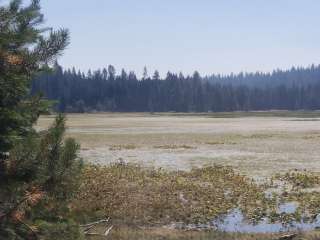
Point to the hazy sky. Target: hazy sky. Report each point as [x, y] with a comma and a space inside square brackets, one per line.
[185, 35]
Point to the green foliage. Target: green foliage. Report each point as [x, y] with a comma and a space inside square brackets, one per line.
[41, 177]
[25, 49]
[58, 171]
[39, 172]
[61, 230]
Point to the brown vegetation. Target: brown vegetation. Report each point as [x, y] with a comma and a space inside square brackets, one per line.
[132, 195]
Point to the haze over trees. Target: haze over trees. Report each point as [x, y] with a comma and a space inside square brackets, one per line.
[105, 90]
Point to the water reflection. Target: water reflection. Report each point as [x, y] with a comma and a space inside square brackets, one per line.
[236, 222]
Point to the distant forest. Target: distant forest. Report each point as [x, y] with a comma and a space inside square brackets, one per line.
[104, 90]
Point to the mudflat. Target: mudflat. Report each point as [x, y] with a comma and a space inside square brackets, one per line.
[258, 144]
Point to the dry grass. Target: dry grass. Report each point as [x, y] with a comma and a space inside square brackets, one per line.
[122, 147]
[256, 144]
[174, 147]
[221, 143]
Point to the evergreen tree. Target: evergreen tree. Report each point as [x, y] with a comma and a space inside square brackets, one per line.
[145, 73]
[18, 63]
[38, 171]
[285, 90]
[156, 75]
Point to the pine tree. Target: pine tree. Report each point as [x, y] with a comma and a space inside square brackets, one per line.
[18, 63]
[38, 171]
[145, 73]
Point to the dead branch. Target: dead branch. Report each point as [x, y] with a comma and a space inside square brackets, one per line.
[98, 234]
[95, 223]
[87, 229]
[95, 234]
[89, 226]
[108, 231]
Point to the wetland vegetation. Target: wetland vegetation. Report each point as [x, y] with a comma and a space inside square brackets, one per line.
[154, 203]
[211, 174]
[189, 171]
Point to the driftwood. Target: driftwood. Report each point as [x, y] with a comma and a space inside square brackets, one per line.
[108, 231]
[95, 223]
[288, 236]
[87, 227]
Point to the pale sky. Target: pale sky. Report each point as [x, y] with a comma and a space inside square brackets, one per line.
[210, 36]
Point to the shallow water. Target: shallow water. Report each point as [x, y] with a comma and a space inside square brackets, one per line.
[288, 208]
[236, 222]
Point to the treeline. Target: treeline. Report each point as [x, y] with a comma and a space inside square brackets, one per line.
[104, 90]
[294, 76]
